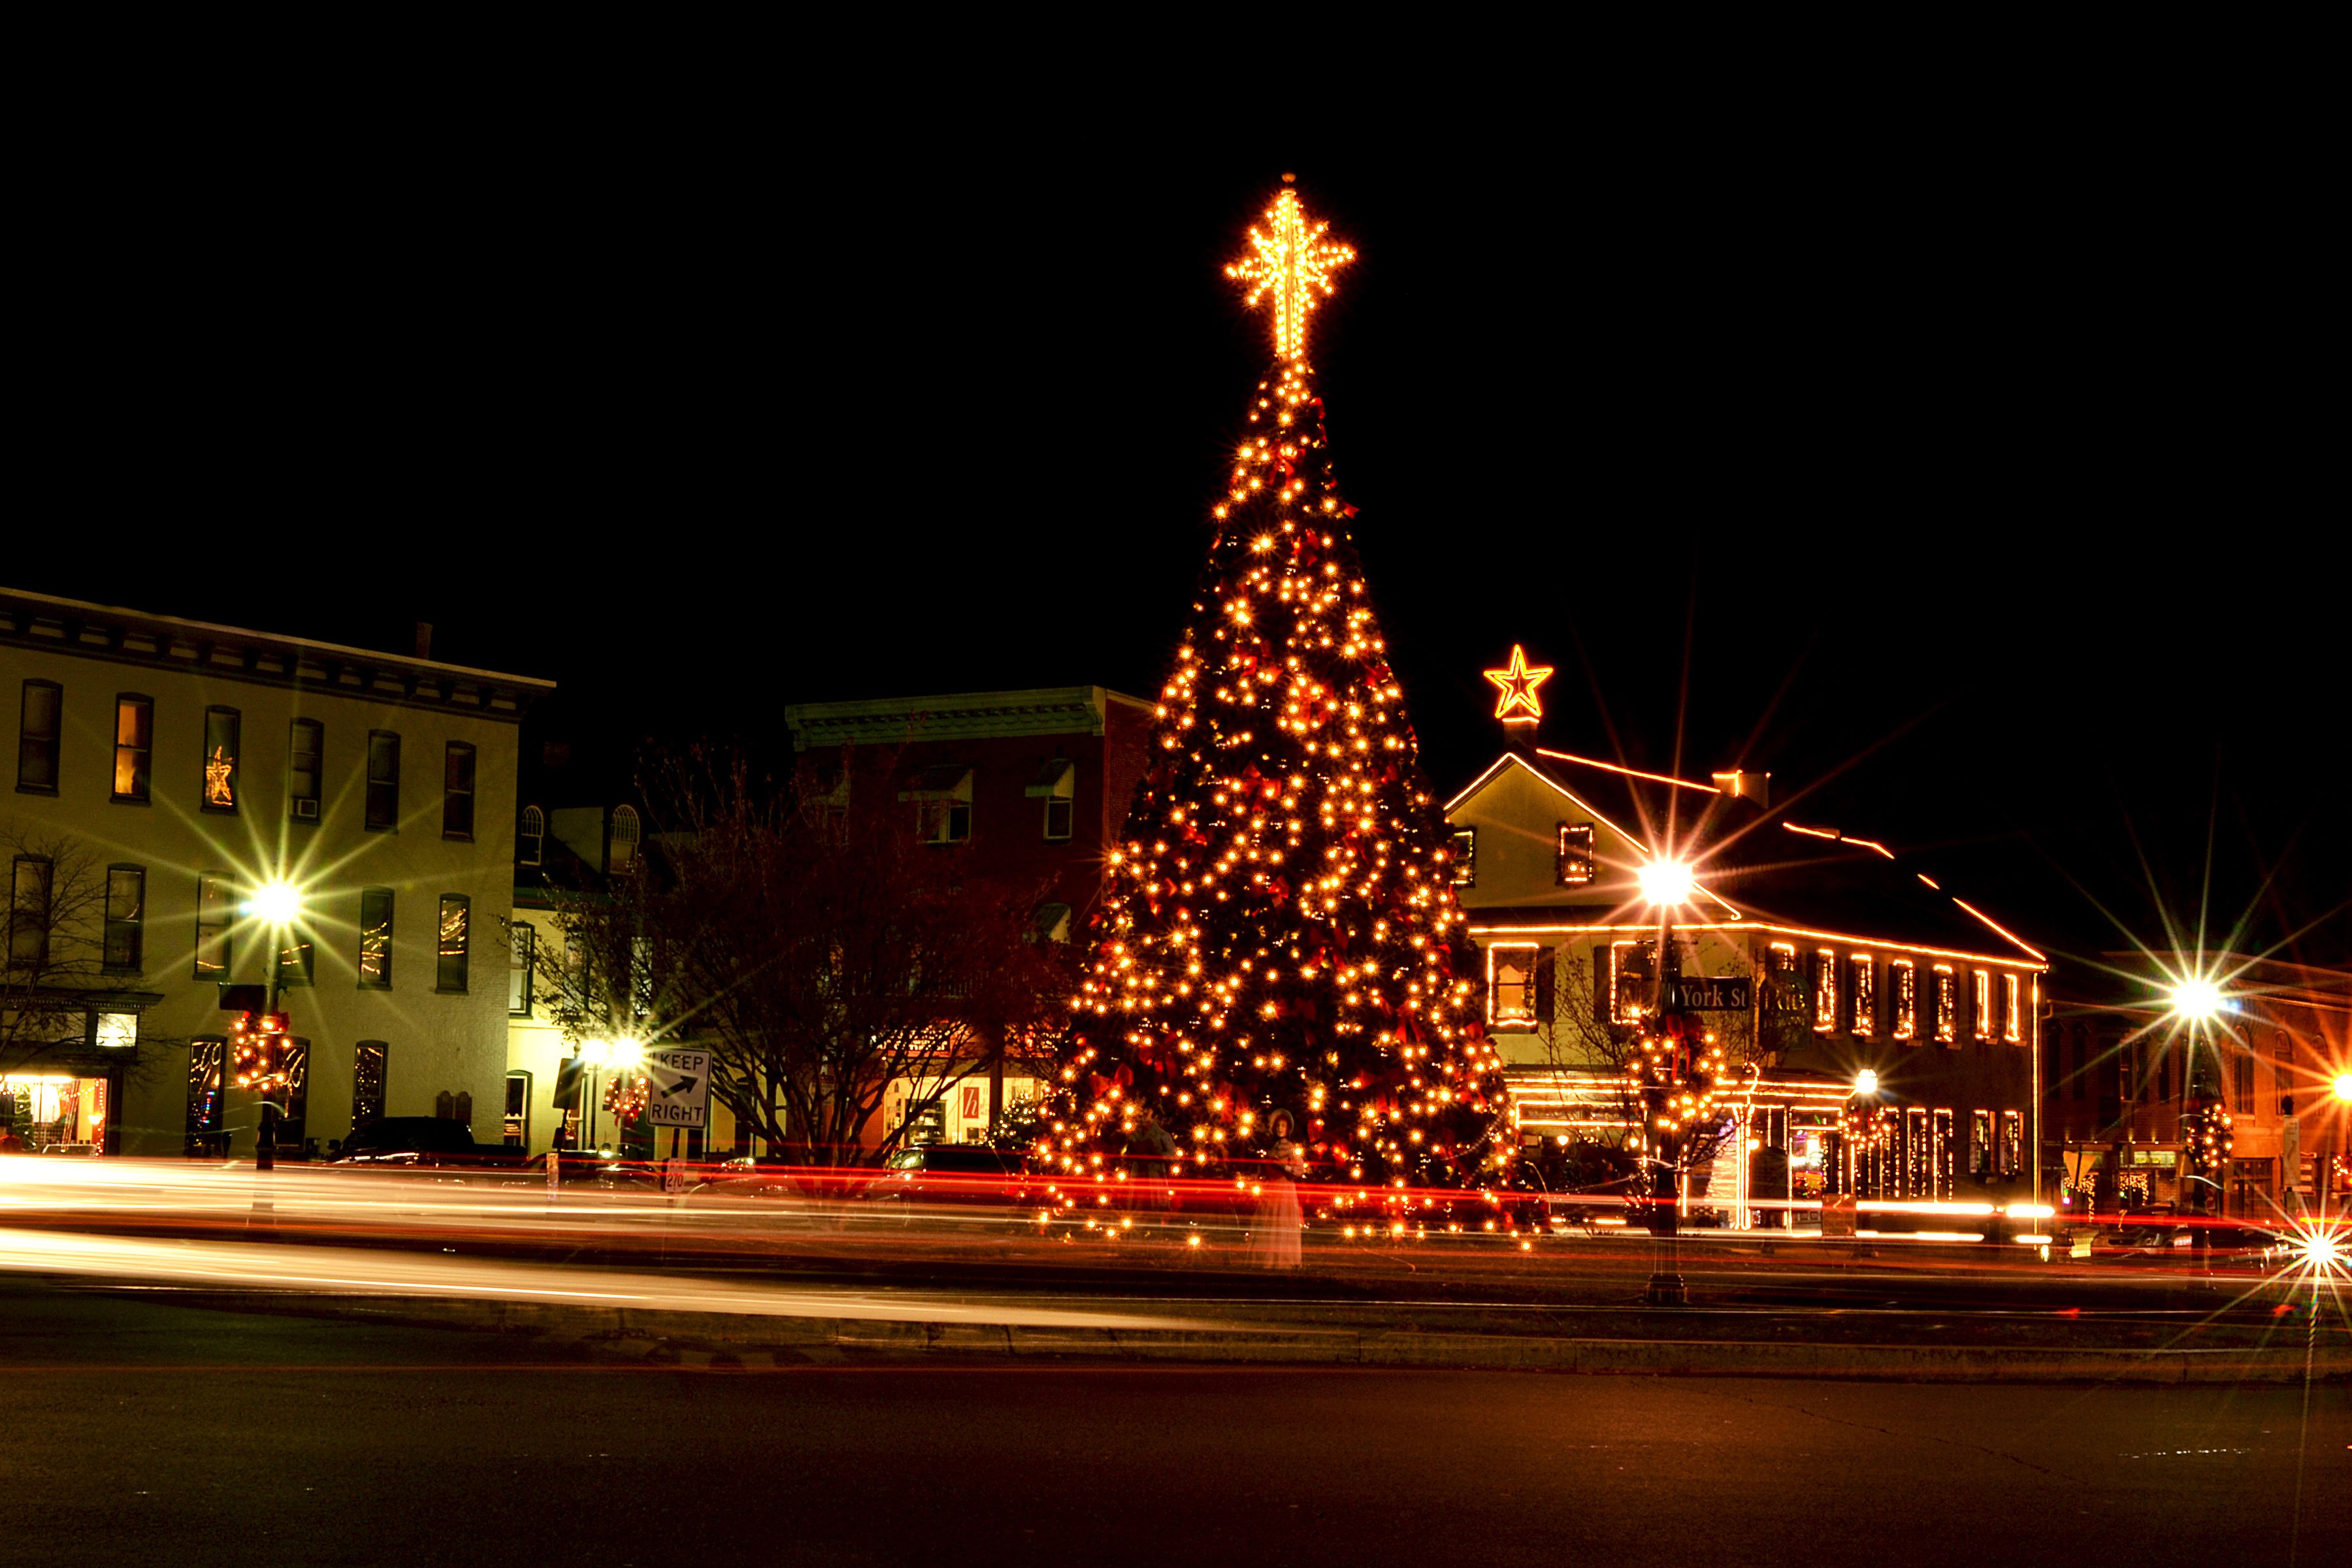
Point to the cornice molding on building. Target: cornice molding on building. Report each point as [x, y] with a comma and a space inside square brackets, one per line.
[142, 640]
[890, 721]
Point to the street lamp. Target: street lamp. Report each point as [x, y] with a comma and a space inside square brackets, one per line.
[1866, 1083]
[1664, 884]
[2343, 1086]
[279, 905]
[2198, 1000]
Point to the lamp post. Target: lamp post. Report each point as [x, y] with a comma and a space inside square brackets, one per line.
[279, 905]
[2198, 1003]
[1664, 884]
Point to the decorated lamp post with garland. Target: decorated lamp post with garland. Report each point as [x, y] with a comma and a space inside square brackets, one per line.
[2206, 1142]
[1279, 965]
[1677, 1073]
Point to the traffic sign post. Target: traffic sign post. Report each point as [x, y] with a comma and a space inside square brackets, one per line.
[680, 1082]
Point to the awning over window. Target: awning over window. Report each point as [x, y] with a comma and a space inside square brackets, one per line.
[949, 781]
[1058, 780]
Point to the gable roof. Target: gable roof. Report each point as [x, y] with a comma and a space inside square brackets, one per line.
[1754, 870]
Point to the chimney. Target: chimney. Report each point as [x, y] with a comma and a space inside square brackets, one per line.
[1740, 785]
[425, 640]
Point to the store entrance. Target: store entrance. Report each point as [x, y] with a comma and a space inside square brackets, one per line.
[55, 1114]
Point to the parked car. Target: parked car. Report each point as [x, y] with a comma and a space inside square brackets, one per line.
[2175, 1243]
[964, 1177]
[437, 1143]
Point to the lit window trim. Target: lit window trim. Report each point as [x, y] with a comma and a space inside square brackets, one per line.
[1580, 859]
[1617, 1013]
[1947, 1023]
[1825, 991]
[1980, 1003]
[1903, 999]
[2010, 1030]
[1465, 845]
[1496, 1016]
[1864, 981]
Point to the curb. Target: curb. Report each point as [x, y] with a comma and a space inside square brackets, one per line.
[696, 1337]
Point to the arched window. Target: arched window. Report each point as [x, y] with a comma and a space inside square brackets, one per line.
[530, 839]
[623, 853]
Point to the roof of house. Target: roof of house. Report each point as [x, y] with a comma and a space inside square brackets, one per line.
[1752, 866]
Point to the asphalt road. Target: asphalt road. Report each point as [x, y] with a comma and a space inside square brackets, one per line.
[136, 1430]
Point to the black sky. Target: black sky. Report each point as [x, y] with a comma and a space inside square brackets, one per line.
[1989, 487]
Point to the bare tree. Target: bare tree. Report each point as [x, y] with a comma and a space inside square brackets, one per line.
[56, 940]
[815, 944]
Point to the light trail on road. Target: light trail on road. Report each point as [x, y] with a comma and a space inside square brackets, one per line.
[347, 1271]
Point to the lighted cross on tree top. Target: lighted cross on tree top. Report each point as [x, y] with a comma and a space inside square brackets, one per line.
[1292, 262]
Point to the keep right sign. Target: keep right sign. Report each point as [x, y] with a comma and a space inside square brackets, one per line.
[680, 1081]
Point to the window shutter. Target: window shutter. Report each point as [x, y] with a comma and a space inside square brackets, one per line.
[1544, 987]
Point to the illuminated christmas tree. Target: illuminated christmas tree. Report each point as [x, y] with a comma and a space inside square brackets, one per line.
[1279, 956]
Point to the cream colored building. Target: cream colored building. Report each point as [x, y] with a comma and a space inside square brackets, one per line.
[166, 769]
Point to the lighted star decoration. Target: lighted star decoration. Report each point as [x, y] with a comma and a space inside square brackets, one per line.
[1518, 681]
[1292, 262]
[220, 770]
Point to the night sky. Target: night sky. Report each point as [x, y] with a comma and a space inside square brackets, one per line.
[1979, 490]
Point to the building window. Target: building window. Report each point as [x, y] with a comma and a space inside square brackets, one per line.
[294, 1061]
[216, 909]
[1981, 1003]
[134, 740]
[518, 1116]
[943, 797]
[1621, 1008]
[114, 1031]
[1058, 785]
[384, 780]
[1466, 856]
[2013, 1027]
[531, 837]
[369, 1062]
[1825, 991]
[1947, 1005]
[29, 886]
[1979, 1144]
[306, 745]
[375, 939]
[1575, 854]
[1053, 922]
[1511, 970]
[1865, 995]
[37, 737]
[450, 943]
[625, 829]
[221, 730]
[518, 963]
[295, 957]
[2241, 1082]
[126, 916]
[457, 792]
[1903, 993]
[207, 1110]
[2013, 1142]
[2283, 1074]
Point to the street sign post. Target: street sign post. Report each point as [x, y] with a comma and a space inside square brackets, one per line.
[680, 1081]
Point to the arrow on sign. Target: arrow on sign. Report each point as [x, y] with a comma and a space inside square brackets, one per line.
[683, 1085]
